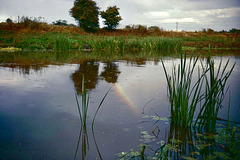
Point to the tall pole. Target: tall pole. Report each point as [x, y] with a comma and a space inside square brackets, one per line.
[176, 26]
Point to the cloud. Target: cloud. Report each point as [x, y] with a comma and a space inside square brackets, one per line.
[51, 10]
[191, 14]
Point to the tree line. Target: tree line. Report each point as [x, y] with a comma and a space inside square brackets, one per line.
[86, 13]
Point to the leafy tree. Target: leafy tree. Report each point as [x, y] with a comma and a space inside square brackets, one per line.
[234, 30]
[111, 16]
[9, 20]
[86, 14]
[61, 22]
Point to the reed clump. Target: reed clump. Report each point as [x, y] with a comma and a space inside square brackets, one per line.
[111, 43]
[185, 96]
[215, 91]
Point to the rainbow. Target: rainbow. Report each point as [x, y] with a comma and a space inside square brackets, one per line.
[125, 97]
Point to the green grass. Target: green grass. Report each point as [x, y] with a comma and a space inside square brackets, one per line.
[120, 43]
[66, 42]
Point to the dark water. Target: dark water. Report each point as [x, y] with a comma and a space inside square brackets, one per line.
[39, 117]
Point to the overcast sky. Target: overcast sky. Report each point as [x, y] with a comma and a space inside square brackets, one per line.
[190, 14]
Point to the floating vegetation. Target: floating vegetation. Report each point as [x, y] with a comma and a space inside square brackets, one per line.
[189, 145]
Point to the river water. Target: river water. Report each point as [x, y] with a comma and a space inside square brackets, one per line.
[39, 116]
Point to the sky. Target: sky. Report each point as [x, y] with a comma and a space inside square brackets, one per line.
[191, 15]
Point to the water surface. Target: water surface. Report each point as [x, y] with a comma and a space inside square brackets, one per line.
[39, 117]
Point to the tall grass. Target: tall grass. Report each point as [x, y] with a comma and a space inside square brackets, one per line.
[215, 92]
[63, 44]
[183, 97]
[118, 43]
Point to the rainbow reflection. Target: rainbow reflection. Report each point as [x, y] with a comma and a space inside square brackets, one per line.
[125, 97]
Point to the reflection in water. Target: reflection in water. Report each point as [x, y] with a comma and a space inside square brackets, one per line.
[111, 72]
[28, 125]
[85, 144]
[189, 144]
[83, 110]
[25, 69]
[90, 71]
[137, 62]
[180, 142]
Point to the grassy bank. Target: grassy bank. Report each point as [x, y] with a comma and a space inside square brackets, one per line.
[65, 42]
[62, 38]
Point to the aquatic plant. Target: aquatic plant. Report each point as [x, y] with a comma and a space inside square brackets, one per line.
[100, 104]
[215, 92]
[183, 97]
[83, 111]
[113, 43]
[188, 144]
[62, 44]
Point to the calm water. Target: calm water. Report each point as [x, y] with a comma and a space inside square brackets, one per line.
[39, 117]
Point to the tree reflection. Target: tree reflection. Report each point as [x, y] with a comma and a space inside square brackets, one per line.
[138, 62]
[90, 71]
[111, 72]
[26, 69]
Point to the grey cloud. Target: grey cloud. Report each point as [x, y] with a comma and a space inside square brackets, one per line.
[198, 13]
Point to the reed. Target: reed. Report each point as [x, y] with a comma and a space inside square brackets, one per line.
[183, 97]
[83, 111]
[118, 43]
[215, 92]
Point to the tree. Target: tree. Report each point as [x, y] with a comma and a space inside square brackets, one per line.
[111, 16]
[9, 21]
[86, 14]
[60, 22]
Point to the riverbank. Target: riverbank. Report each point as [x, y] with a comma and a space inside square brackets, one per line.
[42, 36]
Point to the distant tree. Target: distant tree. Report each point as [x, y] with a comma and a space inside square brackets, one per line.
[154, 28]
[73, 25]
[9, 20]
[209, 30]
[111, 16]
[234, 30]
[86, 14]
[60, 22]
[128, 27]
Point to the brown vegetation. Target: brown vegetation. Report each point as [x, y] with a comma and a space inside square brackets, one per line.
[199, 40]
